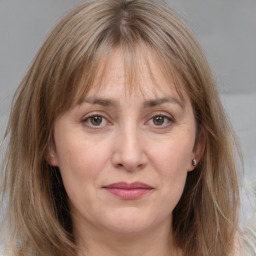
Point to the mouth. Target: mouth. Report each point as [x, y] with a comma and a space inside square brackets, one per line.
[128, 191]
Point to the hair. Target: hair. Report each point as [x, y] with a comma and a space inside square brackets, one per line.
[205, 219]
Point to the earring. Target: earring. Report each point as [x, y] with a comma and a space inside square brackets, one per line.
[194, 162]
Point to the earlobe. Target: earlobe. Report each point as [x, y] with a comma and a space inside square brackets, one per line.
[194, 162]
[51, 157]
[198, 149]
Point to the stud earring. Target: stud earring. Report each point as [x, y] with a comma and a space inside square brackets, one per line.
[194, 162]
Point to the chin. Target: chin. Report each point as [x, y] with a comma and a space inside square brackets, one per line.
[127, 228]
[129, 221]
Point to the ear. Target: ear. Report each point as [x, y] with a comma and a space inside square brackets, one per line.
[198, 149]
[51, 157]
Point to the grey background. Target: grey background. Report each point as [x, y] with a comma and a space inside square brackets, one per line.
[226, 30]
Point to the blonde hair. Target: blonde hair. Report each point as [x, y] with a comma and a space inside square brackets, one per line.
[205, 219]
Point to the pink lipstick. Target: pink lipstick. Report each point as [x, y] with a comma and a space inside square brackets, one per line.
[128, 191]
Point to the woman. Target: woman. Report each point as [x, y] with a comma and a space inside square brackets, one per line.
[119, 144]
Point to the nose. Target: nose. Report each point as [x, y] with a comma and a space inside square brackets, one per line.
[129, 152]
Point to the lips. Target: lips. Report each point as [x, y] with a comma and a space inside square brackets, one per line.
[128, 191]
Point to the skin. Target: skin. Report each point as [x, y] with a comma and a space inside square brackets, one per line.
[126, 137]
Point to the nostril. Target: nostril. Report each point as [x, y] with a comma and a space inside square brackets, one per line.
[130, 167]
[141, 166]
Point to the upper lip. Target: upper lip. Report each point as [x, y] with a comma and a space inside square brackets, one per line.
[126, 185]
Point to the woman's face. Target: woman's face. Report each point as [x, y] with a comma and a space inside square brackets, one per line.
[124, 156]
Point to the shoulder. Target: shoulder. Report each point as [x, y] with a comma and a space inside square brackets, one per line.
[250, 237]
[238, 245]
[249, 234]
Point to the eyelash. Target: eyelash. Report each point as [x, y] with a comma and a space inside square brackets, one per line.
[87, 120]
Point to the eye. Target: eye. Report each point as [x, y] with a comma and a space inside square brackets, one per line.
[95, 121]
[160, 121]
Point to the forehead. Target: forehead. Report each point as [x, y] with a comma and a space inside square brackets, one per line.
[141, 72]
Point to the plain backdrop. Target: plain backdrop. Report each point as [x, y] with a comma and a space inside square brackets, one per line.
[226, 30]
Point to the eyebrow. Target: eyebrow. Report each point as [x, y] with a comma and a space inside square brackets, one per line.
[102, 102]
[147, 104]
[160, 101]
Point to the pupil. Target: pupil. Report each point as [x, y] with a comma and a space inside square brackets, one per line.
[96, 120]
[159, 120]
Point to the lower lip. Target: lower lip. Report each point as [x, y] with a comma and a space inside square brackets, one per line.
[128, 194]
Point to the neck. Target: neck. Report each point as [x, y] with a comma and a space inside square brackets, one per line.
[93, 242]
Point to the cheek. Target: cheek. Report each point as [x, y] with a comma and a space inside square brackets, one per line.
[171, 160]
[173, 156]
[79, 156]
[80, 164]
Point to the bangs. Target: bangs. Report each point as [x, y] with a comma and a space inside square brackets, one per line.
[133, 57]
[87, 44]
